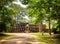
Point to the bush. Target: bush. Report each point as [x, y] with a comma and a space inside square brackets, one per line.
[54, 30]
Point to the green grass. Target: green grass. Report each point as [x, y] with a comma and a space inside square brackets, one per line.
[46, 38]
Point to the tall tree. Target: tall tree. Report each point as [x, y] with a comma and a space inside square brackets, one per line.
[7, 14]
[44, 9]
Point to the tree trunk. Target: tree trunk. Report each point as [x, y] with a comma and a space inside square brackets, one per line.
[40, 27]
[49, 27]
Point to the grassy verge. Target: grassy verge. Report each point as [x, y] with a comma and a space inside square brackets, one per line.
[47, 38]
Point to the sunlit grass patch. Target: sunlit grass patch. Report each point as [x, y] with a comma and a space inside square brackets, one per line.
[47, 38]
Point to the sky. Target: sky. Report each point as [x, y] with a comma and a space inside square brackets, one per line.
[19, 3]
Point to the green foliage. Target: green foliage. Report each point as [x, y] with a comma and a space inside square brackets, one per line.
[51, 7]
[5, 2]
[7, 14]
[24, 1]
[56, 27]
[44, 9]
[16, 8]
[1, 27]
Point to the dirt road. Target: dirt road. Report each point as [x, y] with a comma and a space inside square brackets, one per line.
[21, 38]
